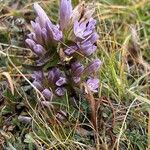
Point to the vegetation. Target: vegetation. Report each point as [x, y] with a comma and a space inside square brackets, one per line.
[116, 118]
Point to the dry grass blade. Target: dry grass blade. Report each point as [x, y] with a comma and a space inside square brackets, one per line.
[135, 50]
[10, 81]
[149, 131]
[94, 105]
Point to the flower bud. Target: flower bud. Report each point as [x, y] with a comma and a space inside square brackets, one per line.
[89, 51]
[93, 67]
[77, 69]
[65, 13]
[38, 76]
[51, 76]
[38, 85]
[47, 94]
[87, 48]
[61, 81]
[93, 84]
[43, 18]
[54, 32]
[45, 36]
[38, 49]
[30, 43]
[38, 32]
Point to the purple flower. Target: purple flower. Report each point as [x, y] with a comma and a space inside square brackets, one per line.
[56, 78]
[47, 94]
[93, 67]
[79, 29]
[30, 43]
[38, 85]
[54, 32]
[70, 50]
[61, 81]
[60, 91]
[38, 32]
[38, 76]
[65, 13]
[53, 75]
[86, 36]
[93, 84]
[87, 48]
[84, 29]
[38, 49]
[42, 16]
[76, 71]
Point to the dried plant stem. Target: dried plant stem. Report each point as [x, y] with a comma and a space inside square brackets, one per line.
[93, 106]
[149, 131]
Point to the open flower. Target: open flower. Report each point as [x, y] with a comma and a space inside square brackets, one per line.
[84, 29]
[57, 81]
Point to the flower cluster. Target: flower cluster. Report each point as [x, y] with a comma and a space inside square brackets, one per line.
[62, 50]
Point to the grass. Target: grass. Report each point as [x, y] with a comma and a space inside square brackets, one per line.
[122, 110]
